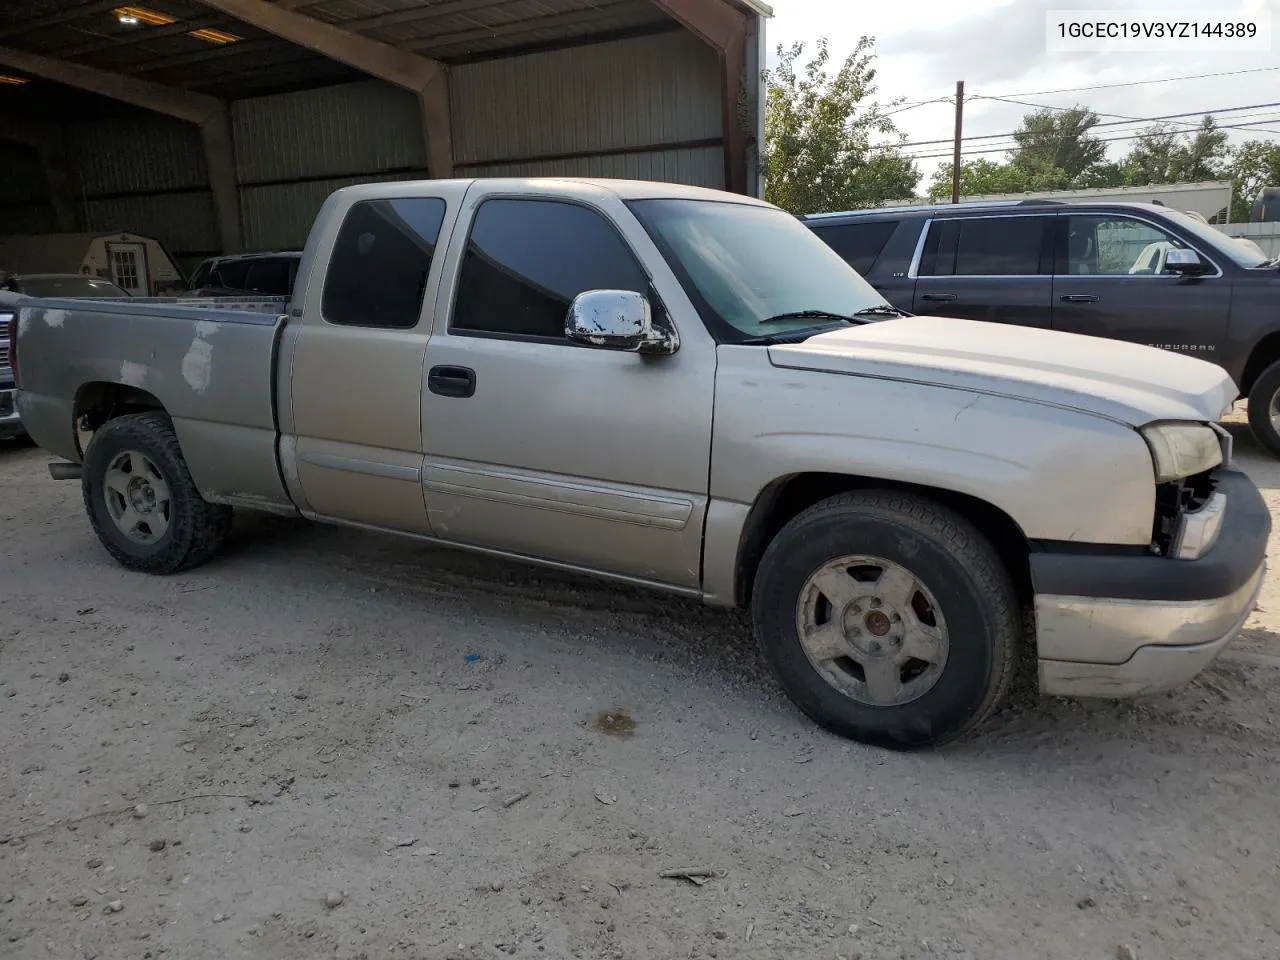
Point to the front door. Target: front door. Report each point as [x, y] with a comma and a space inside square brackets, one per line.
[1110, 281]
[353, 434]
[994, 268]
[129, 268]
[539, 447]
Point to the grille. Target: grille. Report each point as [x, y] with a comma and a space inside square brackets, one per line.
[4, 353]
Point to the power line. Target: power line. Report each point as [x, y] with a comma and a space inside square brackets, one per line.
[1114, 123]
[1135, 83]
[911, 106]
[1120, 117]
[1007, 148]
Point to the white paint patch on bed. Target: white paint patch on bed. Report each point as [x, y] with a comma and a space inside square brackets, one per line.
[133, 374]
[55, 318]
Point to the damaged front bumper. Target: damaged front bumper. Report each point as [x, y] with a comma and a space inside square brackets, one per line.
[1112, 625]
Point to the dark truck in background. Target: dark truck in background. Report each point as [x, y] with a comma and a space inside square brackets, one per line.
[1127, 271]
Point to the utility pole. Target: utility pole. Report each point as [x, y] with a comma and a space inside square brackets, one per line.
[955, 157]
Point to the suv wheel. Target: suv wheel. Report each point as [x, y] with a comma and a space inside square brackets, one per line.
[1264, 409]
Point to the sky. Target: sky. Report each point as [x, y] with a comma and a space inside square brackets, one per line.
[998, 47]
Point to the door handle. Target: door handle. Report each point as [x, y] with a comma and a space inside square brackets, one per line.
[938, 296]
[452, 381]
[1079, 298]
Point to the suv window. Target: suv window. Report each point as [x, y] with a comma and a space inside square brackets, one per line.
[1115, 246]
[378, 271]
[987, 246]
[269, 275]
[859, 244]
[527, 259]
[230, 275]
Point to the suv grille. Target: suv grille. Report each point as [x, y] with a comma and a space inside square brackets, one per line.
[4, 353]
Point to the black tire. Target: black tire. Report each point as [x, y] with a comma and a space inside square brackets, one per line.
[196, 528]
[1261, 396]
[943, 552]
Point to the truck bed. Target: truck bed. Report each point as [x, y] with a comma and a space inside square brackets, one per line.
[210, 362]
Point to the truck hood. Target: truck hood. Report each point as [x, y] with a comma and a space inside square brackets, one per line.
[1126, 382]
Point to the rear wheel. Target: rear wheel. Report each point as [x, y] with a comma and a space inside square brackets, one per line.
[1264, 409]
[141, 500]
[887, 618]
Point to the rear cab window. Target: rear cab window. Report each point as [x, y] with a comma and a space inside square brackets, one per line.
[381, 261]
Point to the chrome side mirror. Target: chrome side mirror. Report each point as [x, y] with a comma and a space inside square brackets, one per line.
[1183, 261]
[617, 320]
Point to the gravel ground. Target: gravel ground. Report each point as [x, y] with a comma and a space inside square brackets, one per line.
[332, 744]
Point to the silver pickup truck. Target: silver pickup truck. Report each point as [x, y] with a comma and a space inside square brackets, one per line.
[686, 390]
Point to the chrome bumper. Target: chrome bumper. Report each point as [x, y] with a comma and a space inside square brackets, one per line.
[1091, 647]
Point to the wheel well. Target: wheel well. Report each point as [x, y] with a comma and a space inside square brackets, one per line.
[98, 402]
[784, 499]
[1265, 353]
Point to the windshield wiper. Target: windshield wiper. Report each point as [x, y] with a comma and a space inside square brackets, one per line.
[808, 315]
[883, 310]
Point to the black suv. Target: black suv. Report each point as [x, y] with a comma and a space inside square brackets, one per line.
[1128, 271]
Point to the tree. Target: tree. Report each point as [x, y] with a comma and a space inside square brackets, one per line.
[980, 177]
[1153, 157]
[818, 151]
[1204, 155]
[1058, 139]
[1253, 165]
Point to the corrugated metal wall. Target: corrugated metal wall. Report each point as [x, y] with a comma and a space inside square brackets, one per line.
[647, 107]
[294, 149]
[24, 200]
[643, 108]
[145, 174]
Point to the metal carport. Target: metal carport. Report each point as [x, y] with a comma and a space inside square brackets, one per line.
[220, 125]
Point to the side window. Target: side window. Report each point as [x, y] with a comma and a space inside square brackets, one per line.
[378, 271]
[1116, 246]
[231, 275]
[859, 244]
[527, 259]
[269, 276]
[201, 276]
[987, 246]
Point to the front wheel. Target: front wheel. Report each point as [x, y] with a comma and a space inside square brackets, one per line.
[887, 618]
[141, 499]
[1264, 409]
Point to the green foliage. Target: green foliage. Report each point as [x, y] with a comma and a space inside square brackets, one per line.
[1058, 140]
[981, 176]
[1254, 164]
[819, 129]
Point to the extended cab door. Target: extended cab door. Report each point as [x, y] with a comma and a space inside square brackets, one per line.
[539, 447]
[1111, 282]
[989, 267]
[352, 428]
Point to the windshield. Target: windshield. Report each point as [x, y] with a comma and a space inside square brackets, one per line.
[68, 287]
[752, 266]
[1244, 253]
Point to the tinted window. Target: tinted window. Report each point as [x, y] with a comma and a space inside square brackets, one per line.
[985, 246]
[378, 272]
[859, 244]
[232, 275]
[527, 259]
[269, 276]
[1116, 246]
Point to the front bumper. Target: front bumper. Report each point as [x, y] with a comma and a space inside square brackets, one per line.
[1125, 625]
[10, 421]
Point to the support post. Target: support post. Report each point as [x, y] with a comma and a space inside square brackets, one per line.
[955, 153]
[220, 159]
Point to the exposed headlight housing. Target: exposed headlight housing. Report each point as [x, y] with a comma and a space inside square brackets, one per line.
[1181, 450]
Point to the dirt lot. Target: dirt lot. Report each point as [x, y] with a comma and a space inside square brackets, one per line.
[322, 712]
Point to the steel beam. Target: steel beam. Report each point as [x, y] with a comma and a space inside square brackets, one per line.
[428, 78]
[208, 113]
